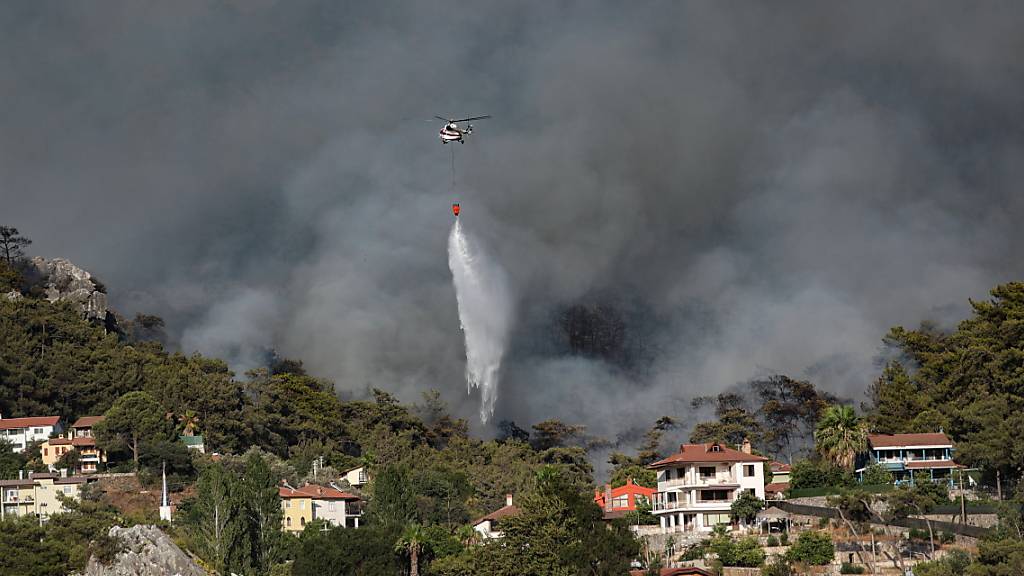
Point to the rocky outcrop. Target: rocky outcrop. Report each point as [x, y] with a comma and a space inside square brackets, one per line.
[65, 281]
[147, 552]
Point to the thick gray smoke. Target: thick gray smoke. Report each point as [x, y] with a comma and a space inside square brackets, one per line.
[684, 194]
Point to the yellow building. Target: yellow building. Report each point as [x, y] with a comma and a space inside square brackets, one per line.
[313, 502]
[78, 437]
[38, 495]
[90, 455]
[297, 506]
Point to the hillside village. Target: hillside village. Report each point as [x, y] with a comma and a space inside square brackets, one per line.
[103, 430]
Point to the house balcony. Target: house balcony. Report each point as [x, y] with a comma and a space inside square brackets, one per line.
[662, 504]
[690, 481]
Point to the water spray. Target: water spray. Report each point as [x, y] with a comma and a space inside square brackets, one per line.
[485, 314]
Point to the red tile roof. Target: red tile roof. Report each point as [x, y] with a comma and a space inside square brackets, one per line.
[904, 440]
[776, 487]
[926, 464]
[316, 492]
[87, 421]
[83, 441]
[781, 467]
[698, 453]
[627, 489]
[12, 423]
[503, 512]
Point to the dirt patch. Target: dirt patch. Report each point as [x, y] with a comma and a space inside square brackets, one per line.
[133, 499]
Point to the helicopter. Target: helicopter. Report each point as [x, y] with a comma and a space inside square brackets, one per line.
[451, 131]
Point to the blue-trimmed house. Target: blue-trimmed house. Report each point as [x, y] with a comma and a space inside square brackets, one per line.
[914, 457]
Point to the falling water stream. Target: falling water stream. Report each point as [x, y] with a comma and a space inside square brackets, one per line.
[485, 312]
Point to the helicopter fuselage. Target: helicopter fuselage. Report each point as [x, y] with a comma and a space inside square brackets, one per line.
[452, 133]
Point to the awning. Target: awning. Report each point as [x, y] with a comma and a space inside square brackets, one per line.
[773, 513]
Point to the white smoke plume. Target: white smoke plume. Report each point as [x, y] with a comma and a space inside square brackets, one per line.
[485, 313]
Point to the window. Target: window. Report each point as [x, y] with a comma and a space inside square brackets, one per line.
[288, 521]
[67, 489]
[707, 472]
[302, 521]
[302, 504]
[620, 502]
[37, 431]
[46, 452]
[716, 519]
[287, 503]
[716, 448]
[330, 506]
[748, 470]
[714, 495]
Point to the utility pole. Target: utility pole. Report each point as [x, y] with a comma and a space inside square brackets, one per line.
[963, 506]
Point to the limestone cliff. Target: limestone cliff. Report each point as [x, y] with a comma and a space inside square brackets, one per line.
[62, 280]
[147, 552]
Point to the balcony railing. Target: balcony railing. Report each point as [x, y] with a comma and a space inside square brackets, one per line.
[667, 505]
[717, 480]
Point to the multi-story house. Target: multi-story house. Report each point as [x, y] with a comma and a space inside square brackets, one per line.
[21, 432]
[313, 502]
[78, 437]
[697, 486]
[37, 494]
[914, 457]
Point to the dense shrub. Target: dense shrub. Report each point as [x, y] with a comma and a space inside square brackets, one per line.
[812, 548]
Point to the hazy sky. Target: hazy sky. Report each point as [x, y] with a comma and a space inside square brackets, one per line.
[744, 189]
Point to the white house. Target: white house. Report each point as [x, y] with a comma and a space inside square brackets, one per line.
[697, 486]
[356, 477]
[488, 526]
[21, 432]
[914, 458]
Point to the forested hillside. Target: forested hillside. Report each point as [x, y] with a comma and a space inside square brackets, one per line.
[429, 476]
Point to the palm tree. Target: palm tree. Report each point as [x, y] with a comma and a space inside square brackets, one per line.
[840, 435]
[189, 421]
[412, 543]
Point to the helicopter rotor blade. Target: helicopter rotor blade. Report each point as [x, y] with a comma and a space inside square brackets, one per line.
[473, 118]
[443, 119]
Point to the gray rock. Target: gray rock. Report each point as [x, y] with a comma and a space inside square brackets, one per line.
[65, 281]
[13, 295]
[147, 552]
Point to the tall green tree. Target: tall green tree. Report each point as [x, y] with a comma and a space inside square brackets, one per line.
[734, 421]
[895, 400]
[393, 504]
[840, 435]
[10, 461]
[262, 505]
[134, 418]
[789, 410]
[216, 519]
